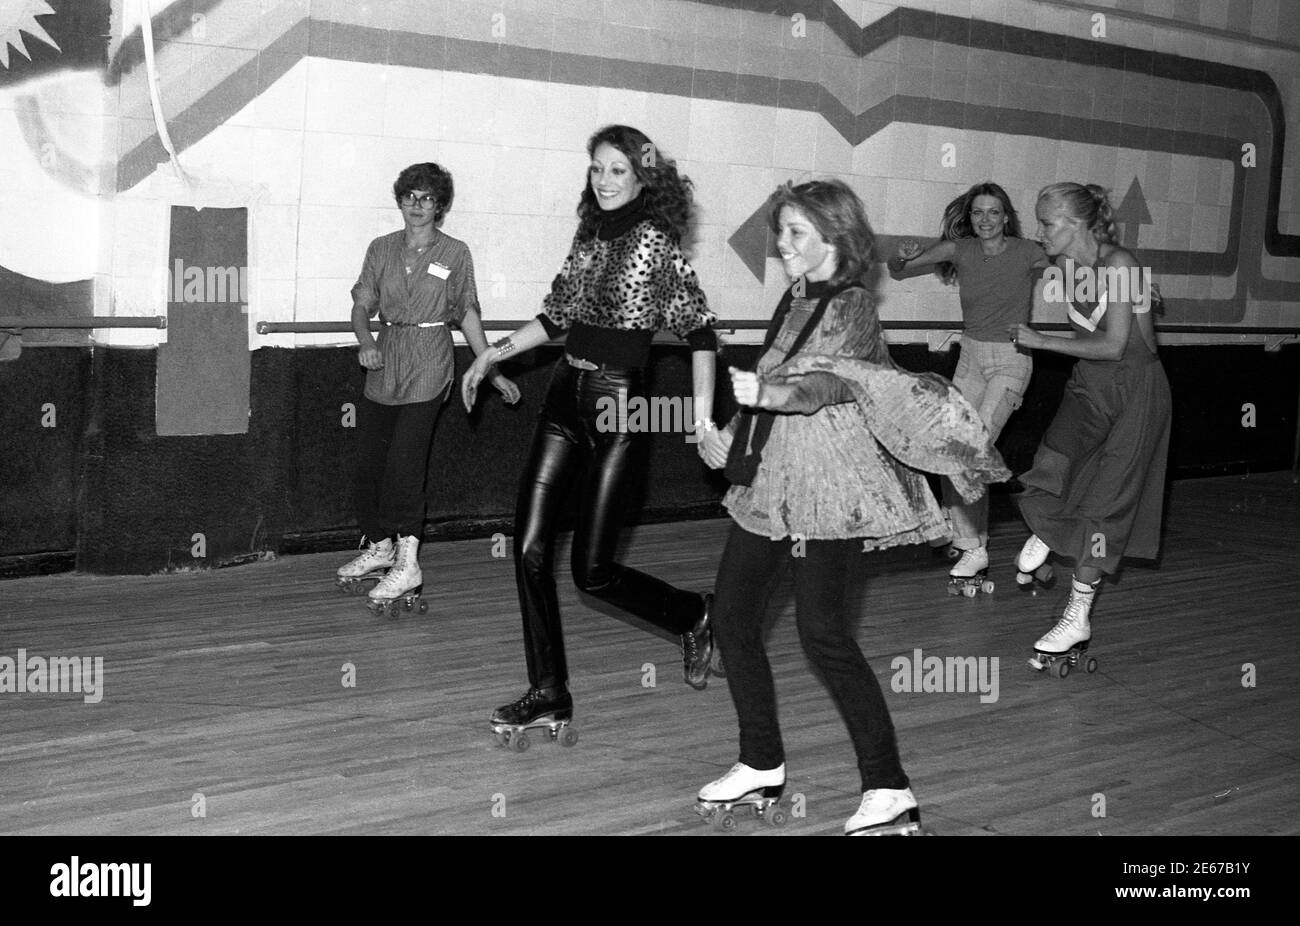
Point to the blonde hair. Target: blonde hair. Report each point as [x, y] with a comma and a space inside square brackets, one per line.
[1088, 203]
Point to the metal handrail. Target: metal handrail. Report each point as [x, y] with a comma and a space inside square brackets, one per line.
[93, 321]
[345, 327]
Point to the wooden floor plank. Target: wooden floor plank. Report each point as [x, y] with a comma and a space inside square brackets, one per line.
[229, 684]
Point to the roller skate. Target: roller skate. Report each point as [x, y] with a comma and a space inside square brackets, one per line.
[551, 708]
[743, 786]
[371, 565]
[1066, 644]
[402, 586]
[885, 812]
[1033, 572]
[970, 574]
[697, 649]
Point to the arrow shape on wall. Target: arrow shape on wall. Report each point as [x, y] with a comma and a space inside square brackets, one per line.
[1132, 214]
[750, 242]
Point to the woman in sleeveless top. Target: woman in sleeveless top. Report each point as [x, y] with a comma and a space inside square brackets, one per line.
[1096, 489]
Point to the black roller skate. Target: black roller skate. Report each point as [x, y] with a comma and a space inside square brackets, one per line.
[551, 708]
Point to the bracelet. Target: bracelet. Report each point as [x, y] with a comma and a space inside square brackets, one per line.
[704, 425]
[504, 347]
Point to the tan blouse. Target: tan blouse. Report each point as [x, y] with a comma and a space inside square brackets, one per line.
[846, 458]
[418, 307]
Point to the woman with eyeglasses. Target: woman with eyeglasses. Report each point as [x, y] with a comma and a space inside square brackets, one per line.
[624, 279]
[420, 282]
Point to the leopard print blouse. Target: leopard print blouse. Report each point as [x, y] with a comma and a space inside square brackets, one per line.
[638, 281]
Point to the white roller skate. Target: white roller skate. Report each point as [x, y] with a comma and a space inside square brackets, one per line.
[402, 586]
[970, 574]
[885, 812]
[743, 786]
[1033, 572]
[373, 562]
[1066, 644]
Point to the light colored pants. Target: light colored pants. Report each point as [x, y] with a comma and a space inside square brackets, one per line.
[992, 376]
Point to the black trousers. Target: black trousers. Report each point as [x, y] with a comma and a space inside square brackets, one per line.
[393, 465]
[579, 440]
[750, 569]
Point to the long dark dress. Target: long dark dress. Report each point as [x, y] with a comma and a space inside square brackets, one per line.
[1096, 490]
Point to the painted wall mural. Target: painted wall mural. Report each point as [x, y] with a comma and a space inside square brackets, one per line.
[304, 111]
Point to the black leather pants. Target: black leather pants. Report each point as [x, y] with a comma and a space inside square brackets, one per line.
[578, 438]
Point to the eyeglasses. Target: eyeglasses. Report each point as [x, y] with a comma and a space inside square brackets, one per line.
[428, 200]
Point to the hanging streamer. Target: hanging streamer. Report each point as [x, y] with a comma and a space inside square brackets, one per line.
[146, 33]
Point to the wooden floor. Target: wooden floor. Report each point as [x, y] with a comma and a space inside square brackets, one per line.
[229, 685]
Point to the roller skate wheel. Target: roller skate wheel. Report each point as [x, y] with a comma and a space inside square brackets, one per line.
[568, 737]
[1091, 665]
[987, 588]
[502, 737]
[1063, 669]
[775, 817]
[727, 821]
[520, 742]
[954, 591]
[969, 591]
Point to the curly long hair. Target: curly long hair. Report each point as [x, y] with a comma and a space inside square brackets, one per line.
[1088, 202]
[666, 194]
[956, 220]
[839, 217]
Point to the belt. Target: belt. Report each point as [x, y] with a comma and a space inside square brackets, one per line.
[582, 364]
[412, 324]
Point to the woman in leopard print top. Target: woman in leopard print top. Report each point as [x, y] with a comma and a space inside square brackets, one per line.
[624, 279]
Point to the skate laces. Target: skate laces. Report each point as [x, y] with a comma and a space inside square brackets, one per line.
[734, 772]
[1074, 618]
[883, 800]
[690, 647]
[531, 697]
[1033, 554]
[967, 562]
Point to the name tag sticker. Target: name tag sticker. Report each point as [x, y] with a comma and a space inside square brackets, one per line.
[439, 270]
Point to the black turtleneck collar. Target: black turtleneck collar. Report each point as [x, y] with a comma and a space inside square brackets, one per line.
[618, 222]
[822, 288]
